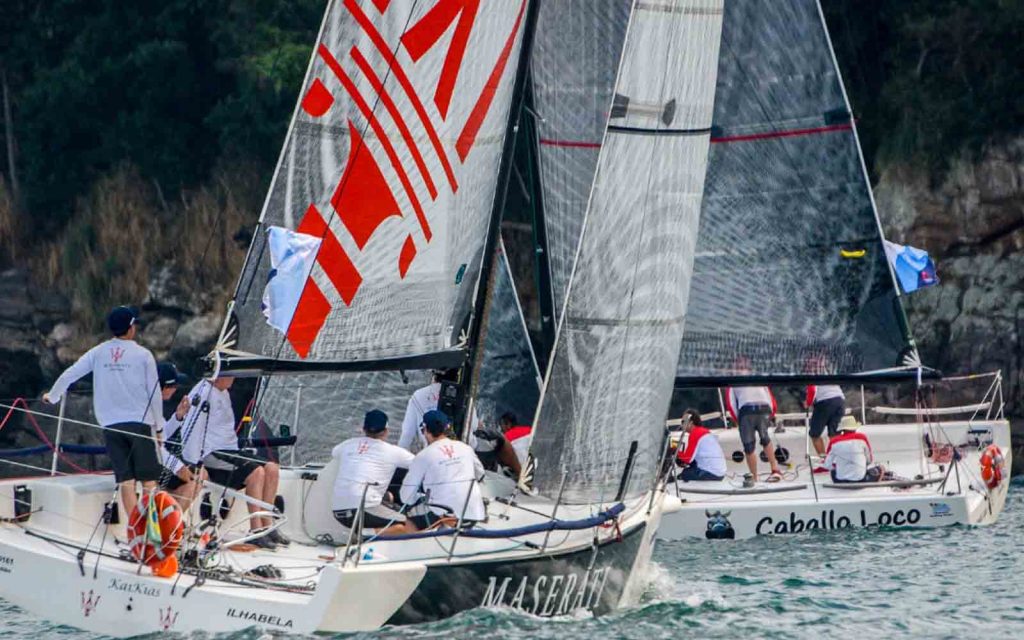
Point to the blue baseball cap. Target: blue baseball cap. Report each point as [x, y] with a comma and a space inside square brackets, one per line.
[121, 319]
[375, 421]
[436, 422]
[168, 375]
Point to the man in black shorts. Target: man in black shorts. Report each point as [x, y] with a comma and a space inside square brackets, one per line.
[126, 403]
[208, 434]
[829, 405]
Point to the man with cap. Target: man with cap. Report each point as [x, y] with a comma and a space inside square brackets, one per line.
[126, 402]
[447, 472]
[208, 436]
[366, 464]
[849, 454]
[180, 479]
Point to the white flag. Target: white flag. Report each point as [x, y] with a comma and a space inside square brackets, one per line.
[291, 260]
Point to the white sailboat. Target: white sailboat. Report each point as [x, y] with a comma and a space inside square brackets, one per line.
[396, 162]
[792, 287]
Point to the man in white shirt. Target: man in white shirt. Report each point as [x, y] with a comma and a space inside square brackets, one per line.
[367, 463]
[828, 404]
[447, 472]
[126, 402]
[752, 409]
[849, 454]
[702, 458]
[180, 479]
[208, 436]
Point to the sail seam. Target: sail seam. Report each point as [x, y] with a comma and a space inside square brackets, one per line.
[791, 133]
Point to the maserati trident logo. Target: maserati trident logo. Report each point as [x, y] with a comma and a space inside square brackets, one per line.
[116, 354]
[448, 451]
[363, 447]
[167, 618]
[89, 602]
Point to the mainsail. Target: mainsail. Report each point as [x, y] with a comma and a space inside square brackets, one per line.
[392, 160]
[790, 277]
[610, 378]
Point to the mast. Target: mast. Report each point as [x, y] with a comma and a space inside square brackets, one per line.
[469, 377]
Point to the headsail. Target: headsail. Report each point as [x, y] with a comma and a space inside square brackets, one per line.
[392, 160]
[610, 379]
[791, 277]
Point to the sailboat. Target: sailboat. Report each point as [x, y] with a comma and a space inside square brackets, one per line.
[392, 176]
[791, 286]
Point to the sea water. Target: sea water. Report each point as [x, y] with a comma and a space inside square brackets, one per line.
[867, 584]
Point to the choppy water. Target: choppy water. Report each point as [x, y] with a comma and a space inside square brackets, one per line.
[953, 583]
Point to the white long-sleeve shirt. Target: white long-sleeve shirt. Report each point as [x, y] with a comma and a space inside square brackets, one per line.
[205, 433]
[422, 401]
[448, 469]
[124, 382]
[365, 462]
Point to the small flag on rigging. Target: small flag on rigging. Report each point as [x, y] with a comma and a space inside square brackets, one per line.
[291, 259]
[913, 267]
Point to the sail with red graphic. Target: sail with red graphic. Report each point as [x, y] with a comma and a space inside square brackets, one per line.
[391, 161]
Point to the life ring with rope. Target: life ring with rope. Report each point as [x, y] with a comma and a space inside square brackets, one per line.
[156, 533]
[992, 462]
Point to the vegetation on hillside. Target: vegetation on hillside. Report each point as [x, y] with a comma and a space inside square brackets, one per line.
[140, 132]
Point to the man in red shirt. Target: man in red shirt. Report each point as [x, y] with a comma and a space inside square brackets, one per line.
[702, 458]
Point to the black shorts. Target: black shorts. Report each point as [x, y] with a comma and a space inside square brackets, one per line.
[170, 481]
[754, 419]
[827, 413]
[242, 466]
[132, 452]
[375, 517]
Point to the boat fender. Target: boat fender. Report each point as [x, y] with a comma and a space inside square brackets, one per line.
[155, 533]
[992, 462]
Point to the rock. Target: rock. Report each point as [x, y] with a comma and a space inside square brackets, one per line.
[158, 333]
[167, 291]
[199, 333]
[62, 334]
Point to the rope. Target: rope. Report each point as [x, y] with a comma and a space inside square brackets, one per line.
[42, 435]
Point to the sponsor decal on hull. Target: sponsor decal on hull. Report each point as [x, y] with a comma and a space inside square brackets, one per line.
[828, 520]
[6, 564]
[257, 617]
[553, 595]
[167, 618]
[940, 510]
[133, 588]
[89, 602]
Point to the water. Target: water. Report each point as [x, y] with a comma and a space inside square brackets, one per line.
[938, 583]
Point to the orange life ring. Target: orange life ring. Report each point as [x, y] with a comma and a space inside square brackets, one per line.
[160, 558]
[992, 462]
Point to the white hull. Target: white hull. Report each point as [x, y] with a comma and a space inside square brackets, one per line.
[947, 497]
[40, 571]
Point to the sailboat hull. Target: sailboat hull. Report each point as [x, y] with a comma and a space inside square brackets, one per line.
[590, 578]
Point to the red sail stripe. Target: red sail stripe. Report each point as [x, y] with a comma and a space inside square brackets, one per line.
[783, 134]
[577, 144]
[403, 79]
[332, 257]
[422, 36]
[483, 103]
[389, 104]
[310, 315]
[378, 130]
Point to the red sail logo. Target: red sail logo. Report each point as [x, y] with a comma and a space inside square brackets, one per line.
[363, 198]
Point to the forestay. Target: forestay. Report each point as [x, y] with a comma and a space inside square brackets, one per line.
[392, 160]
[610, 378]
[790, 275]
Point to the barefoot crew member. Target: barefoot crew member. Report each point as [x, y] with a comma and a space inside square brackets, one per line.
[126, 401]
[210, 437]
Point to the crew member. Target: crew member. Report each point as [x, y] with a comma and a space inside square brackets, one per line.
[849, 455]
[126, 403]
[366, 464]
[447, 472]
[702, 459]
[827, 404]
[181, 480]
[752, 408]
[209, 436]
[518, 435]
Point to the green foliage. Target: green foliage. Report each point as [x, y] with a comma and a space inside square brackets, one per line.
[172, 87]
[930, 78]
